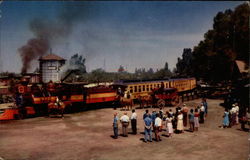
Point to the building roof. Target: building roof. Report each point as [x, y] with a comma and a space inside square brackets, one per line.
[241, 66]
[51, 57]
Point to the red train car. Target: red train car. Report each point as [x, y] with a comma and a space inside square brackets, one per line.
[77, 93]
[101, 94]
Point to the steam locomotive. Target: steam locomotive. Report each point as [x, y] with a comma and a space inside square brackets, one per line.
[33, 99]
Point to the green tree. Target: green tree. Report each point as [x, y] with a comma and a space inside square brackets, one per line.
[184, 64]
[213, 58]
[77, 62]
[97, 75]
[163, 73]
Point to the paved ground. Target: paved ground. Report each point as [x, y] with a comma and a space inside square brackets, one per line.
[87, 135]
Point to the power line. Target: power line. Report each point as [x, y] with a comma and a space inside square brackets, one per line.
[1, 62]
[104, 64]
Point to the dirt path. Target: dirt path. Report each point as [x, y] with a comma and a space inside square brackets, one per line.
[87, 135]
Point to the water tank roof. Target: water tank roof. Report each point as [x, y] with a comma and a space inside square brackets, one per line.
[241, 66]
[51, 57]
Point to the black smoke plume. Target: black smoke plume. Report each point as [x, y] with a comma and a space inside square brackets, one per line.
[47, 32]
[34, 48]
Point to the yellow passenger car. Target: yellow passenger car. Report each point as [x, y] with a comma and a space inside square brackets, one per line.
[144, 88]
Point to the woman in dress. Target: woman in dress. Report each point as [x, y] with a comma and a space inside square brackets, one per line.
[226, 118]
[169, 126]
[196, 119]
[180, 127]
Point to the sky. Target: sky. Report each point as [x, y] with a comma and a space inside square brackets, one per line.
[134, 34]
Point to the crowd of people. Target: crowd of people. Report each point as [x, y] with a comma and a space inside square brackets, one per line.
[167, 123]
[230, 117]
[233, 116]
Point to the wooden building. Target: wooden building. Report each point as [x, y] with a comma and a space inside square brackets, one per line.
[50, 67]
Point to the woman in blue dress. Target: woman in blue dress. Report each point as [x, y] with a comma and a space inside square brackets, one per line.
[226, 118]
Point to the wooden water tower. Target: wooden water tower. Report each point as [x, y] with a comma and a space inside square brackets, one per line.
[50, 67]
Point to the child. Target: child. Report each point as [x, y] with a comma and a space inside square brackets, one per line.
[226, 118]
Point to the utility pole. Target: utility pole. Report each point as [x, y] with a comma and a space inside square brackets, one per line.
[50, 50]
[104, 64]
[234, 38]
[249, 29]
[1, 62]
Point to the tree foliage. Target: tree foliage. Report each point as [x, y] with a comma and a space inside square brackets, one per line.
[213, 58]
[77, 62]
[99, 75]
[183, 66]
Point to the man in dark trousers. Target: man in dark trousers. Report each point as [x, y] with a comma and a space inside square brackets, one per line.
[134, 122]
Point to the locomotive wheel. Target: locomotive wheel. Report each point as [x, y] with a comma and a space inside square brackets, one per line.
[175, 101]
[161, 103]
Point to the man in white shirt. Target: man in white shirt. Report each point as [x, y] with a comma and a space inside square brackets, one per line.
[133, 122]
[237, 113]
[125, 122]
[202, 113]
[233, 115]
[157, 125]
